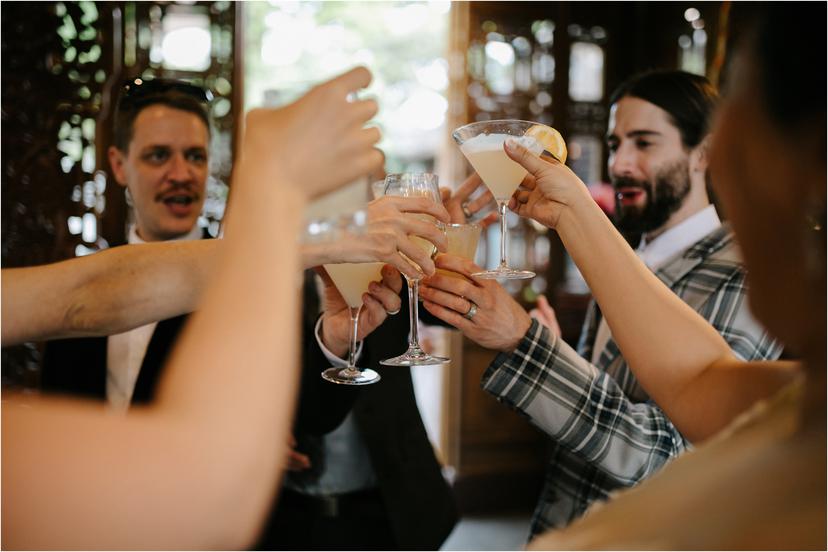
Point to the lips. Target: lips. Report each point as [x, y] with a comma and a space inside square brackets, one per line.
[179, 203]
[629, 195]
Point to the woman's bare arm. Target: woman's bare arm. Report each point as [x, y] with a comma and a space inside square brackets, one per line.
[110, 292]
[199, 467]
[679, 358]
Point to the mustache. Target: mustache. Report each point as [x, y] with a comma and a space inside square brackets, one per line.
[626, 182]
[179, 188]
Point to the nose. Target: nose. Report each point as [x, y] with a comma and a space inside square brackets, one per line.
[179, 169]
[622, 162]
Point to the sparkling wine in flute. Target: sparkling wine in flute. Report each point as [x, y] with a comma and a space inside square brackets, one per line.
[414, 185]
[429, 248]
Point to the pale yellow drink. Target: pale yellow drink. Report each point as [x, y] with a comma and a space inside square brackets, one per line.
[462, 242]
[352, 279]
[500, 174]
[429, 248]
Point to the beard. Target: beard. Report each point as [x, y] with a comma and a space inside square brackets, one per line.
[663, 197]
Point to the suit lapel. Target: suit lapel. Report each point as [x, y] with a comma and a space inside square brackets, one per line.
[159, 348]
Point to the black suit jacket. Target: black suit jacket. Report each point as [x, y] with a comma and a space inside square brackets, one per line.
[419, 502]
[78, 366]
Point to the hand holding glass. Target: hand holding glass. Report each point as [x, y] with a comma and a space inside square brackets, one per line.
[482, 144]
[351, 280]
[414, 185]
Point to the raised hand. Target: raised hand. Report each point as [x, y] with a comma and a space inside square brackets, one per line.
[548, 188]
[460, 208]
[382, 298]
[496, 320]
[387, 234]
[322, 139]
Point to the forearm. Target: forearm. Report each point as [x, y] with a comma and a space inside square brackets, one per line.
[666, 343]
[220, 423]
[317, 254]
[582, 408]
[106, 293]
[252, 371]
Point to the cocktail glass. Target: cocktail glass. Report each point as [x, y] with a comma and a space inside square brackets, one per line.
[352, 280]
[482, 144]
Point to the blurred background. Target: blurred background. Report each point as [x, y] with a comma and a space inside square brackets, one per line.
[437, 65]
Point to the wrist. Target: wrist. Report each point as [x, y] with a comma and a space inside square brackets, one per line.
[521, 326]
[577, 213]
[334, 343]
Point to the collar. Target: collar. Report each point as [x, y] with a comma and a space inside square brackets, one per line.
[194, 234]
[678, 238]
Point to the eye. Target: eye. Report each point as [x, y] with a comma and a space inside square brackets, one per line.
[197, 156]
[157, 155]
[642, 144]
[612, 147]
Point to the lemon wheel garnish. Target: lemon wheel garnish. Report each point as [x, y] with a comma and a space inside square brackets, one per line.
[550, 139]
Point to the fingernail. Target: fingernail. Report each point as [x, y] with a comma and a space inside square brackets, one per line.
[512, 143]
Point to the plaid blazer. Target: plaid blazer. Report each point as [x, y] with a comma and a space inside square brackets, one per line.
[606, 433]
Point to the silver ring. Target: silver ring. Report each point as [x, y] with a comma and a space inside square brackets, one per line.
[471, 312]
[392, 313]
[465, 208]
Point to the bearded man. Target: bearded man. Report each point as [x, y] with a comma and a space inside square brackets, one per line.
[605, 431]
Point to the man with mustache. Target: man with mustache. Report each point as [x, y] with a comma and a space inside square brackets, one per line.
[160, 154]
[606, 433]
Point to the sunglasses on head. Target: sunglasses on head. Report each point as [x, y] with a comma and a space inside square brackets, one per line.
[134, 90]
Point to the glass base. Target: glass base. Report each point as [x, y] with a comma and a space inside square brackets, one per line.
[415, 357]
[351, 376]
[504, 273]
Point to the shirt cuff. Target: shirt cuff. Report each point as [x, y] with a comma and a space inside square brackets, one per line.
[510, 361]
[335, 361]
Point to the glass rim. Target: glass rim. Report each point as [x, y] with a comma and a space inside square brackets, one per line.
[461, 224]
[401, 174]
[502, 121]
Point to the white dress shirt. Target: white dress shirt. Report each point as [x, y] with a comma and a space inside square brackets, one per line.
[657, 252]
[125, 351]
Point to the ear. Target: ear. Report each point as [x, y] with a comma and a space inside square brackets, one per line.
[700, 156]
[117, 160]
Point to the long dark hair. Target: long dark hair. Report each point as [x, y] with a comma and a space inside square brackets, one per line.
[689, 100]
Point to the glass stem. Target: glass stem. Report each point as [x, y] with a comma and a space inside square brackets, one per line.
[413, 317]
[352, 335]
[502, 208]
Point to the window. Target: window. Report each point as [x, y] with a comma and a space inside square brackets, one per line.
[290, 46]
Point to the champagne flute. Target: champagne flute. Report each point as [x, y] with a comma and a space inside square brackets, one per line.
[415, 185]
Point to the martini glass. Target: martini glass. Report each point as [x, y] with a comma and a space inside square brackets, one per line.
[482, 144]
[415, 185]
[351, 280]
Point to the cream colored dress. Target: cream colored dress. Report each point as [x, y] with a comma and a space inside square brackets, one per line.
[760, 484]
